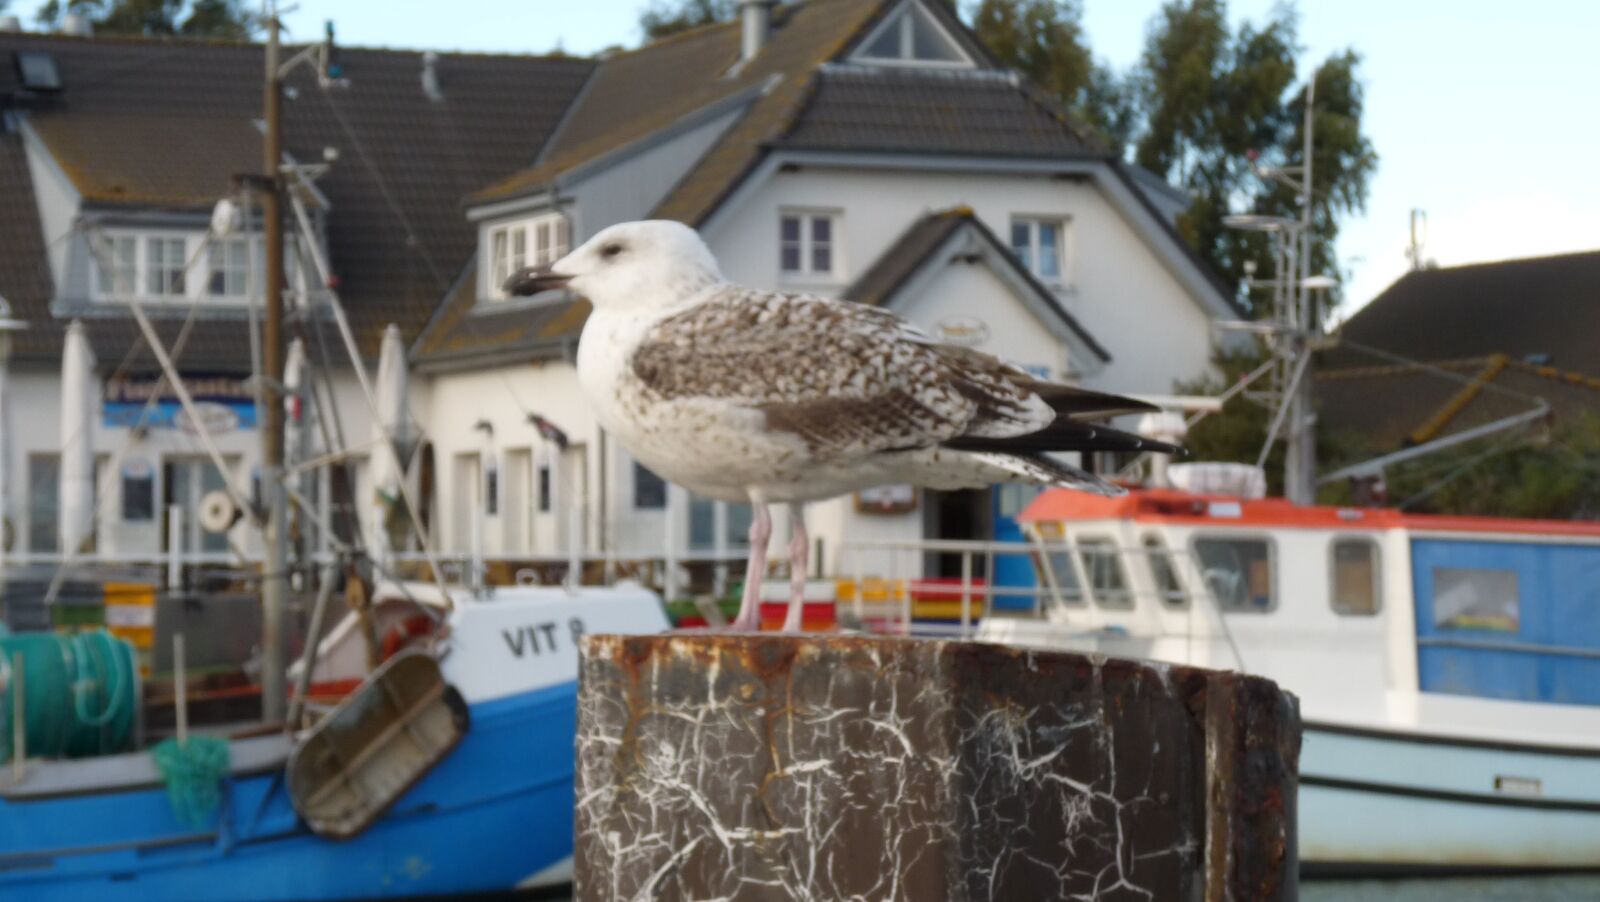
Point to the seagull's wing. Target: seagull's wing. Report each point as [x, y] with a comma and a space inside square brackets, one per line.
[854, 380]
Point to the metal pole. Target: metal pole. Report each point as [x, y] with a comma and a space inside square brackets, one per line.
[966, 593]
[180, 690]
[174, 546]
[1300, 465]
[274, 582]
[308, 661]
[19, 718]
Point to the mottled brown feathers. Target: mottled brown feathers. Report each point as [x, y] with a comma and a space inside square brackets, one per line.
[850, 379]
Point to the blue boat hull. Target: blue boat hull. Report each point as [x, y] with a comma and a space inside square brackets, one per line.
[496, 811]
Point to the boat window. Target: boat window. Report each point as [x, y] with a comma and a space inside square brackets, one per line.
[1356, 590]
[1467, 598]
[1163, 572]
[1108, 580]
[1238, 572]
[1058, 557]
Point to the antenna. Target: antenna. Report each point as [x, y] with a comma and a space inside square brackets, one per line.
[1419, 239]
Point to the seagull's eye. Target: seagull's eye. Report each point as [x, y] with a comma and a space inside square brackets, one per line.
[611, 250]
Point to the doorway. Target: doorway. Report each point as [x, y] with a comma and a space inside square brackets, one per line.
[966, 515]
[187, 480]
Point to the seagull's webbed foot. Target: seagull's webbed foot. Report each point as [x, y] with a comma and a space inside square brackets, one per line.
[749, 619]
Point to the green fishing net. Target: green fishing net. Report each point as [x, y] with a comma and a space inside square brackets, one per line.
[193, 772]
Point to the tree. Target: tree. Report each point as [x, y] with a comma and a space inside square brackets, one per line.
[1044, 41]
[226, 19]
[1212, 99]
[667, 17]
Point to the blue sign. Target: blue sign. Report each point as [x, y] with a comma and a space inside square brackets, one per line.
[223, 403]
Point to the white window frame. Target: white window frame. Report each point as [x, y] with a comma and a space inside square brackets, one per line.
[806, 245]
[1063, 224]
[511, 245]
[124, 274]
[902, 19]
[139, 273]
[229, 268]
[1272, 569]
[168, 278]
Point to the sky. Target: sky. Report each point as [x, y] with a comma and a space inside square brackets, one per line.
[1482, 113]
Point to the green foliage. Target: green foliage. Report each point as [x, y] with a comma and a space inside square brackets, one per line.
[667, 17]
[1044, 40]
[1212, 98]
[1553, 475]
[227, 19]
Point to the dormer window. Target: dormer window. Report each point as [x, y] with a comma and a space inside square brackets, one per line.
[169, 266]
[524, 242]
[229, 265]
[118, 272]
[911, 37]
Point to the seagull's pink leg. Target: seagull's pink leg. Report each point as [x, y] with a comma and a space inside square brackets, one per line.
[799, 558]
[749, 619]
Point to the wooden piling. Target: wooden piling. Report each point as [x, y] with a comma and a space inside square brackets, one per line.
[755, 767]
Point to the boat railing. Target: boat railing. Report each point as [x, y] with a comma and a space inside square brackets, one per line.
[1080, 582]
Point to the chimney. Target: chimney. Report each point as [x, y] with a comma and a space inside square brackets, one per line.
[77, 25]
[756, 16]
[430, 77]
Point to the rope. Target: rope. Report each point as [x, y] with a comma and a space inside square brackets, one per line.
[86, 682]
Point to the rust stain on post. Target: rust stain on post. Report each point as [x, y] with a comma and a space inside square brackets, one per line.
[753, 767]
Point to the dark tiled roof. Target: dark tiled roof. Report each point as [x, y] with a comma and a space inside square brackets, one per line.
[913, 249]
[631, 95]
[906, 256]
[636, 94]
[24, 268]
[1536, 311]
[464, 330]
[1543, 305]
[166, 123]
[934, 111]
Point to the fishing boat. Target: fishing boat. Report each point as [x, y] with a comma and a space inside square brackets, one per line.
[446, 770]
[1448, 668]
[426, 745]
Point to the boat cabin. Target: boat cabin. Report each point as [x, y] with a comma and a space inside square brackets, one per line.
[1345, 606]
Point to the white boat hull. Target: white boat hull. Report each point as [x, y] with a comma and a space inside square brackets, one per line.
[1373, 800]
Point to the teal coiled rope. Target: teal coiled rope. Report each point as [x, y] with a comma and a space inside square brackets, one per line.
[82, 693]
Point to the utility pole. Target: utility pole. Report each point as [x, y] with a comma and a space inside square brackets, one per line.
[274, 566]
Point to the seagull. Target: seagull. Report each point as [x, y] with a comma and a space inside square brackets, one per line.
[745, 395]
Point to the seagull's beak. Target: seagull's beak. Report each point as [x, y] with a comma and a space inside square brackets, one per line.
[536, 279]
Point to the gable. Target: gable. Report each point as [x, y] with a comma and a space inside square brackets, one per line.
[949, 266]
[912, 35]
[969, 303]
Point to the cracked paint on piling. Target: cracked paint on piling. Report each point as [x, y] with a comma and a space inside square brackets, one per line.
[746, 767]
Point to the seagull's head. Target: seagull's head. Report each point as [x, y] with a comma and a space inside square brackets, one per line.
[637, 265]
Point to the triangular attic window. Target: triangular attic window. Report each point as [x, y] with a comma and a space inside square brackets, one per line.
[912, 37]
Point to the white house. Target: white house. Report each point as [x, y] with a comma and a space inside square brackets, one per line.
[870, 151]
[114, 152]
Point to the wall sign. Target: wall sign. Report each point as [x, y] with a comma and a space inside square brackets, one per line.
[962, 330]
[223, 403]
[887, 499]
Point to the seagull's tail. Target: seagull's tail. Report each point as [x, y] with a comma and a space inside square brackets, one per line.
[1042, 470]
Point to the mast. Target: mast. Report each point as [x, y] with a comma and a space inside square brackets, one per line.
[274, 565]
[1300, 459]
